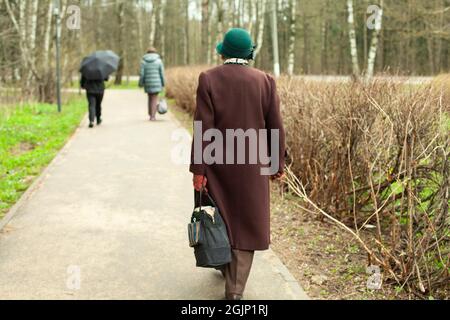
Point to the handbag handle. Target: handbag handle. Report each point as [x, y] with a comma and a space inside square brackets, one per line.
[209, 197]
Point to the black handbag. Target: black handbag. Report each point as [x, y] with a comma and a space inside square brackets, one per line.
[208, 236]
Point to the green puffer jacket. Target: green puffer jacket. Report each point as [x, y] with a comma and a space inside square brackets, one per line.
[152, 73]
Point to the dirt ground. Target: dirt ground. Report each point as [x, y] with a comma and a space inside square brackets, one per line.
[325, 260]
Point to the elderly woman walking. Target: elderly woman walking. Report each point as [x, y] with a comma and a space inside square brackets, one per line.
[234, 99]
[152, 79]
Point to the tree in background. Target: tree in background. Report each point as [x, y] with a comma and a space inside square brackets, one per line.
[352, 38]
[412, 37]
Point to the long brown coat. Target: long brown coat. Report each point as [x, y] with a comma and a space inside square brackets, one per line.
[239, 97]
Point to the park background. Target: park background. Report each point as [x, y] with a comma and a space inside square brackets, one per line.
[365, 98]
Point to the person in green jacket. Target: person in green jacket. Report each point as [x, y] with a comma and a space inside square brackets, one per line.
[152, 79]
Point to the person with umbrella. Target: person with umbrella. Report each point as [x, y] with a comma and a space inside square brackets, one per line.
[95, 70]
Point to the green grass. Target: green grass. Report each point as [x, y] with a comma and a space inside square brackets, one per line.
[30, 137]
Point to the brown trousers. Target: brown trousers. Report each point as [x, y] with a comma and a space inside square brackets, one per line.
[237, 272]
[152, 104]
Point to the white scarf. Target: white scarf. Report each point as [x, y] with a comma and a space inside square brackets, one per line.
[243, 62]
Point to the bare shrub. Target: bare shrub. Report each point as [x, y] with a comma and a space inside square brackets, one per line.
[375, 157]
[182, 86]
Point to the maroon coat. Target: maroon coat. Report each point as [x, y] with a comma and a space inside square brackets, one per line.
[239, 97]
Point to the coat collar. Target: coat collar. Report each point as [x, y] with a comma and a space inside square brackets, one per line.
[243, 62]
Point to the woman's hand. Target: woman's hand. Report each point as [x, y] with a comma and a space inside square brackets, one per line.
[200, 183]
[278, 176]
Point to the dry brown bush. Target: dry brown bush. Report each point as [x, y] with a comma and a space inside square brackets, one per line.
[373, 157]
[182, 86]
[376, 156]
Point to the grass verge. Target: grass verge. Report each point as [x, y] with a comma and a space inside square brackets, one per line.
[30, 137]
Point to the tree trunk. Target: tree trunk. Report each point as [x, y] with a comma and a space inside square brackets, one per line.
[33, 25]
[252, 16]
[220, 16]
[324, 47]
[276, 56]
[20, 27]
[47, 86]
[162, 35]
[209, 52]
[205, 31]
[32, 37]
[47, 36]
[241, 13]
[153, 17]
[292, 37]
[374, 43]
[138, 13]
[352, 37]
[305, 44]
[186, 35]
[261, 25]
[430, 51]
[120, 40]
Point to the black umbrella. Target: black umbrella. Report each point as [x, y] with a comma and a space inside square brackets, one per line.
[99, 65]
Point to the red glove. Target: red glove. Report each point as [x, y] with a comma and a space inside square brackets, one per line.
[277, 176]
[200, 182]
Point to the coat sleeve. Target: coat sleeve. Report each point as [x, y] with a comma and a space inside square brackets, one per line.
[274, 121]
[161, 74]
[82, 82]
[204, 114]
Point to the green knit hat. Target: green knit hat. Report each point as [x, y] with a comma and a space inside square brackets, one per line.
[237, 43]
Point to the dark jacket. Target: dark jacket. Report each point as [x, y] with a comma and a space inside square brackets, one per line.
[152, 73]
[93, 86]
[239, 97]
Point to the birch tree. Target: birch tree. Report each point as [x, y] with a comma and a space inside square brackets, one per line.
[46, 87]
[32, 35]
[378, 12]
[19, 26]
[220, 18]
[261, 24]
[186, 33]
[292, 37]
[153, 17]
[138, 15]
[352, 37]
[252, 16]
[276, 56]
[205, 31]
[162, 35]
[120, 39]
[47, 35]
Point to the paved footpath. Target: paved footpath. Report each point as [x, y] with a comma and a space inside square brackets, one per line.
[108, 220]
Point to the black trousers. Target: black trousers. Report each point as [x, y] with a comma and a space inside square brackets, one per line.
[95, 106]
